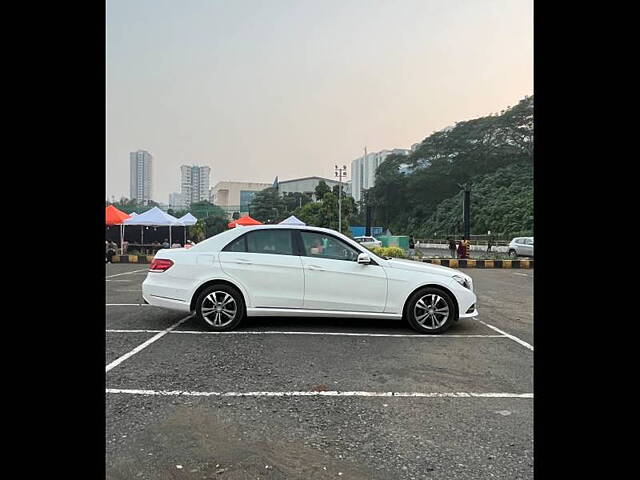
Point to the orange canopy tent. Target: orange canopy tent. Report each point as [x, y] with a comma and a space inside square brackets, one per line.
[244, 221]
[116, 217]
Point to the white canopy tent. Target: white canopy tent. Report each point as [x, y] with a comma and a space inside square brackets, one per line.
[292, 220]
[154, 218]
[187, 220]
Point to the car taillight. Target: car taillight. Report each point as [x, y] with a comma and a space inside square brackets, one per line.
[160, 265]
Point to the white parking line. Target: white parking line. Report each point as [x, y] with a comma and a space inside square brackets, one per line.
[144, 345]
[512, 337]
[521, 274]
[127, 273]
[276, 332]
[332, 393]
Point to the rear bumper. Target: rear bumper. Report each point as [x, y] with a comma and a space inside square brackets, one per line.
[164, 302]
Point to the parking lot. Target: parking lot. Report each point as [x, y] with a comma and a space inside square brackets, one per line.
[289, 398]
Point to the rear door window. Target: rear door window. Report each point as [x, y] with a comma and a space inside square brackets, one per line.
[274, 242]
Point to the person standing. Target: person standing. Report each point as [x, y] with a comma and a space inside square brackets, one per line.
[462, 248]
[467, 247]
[111, 251]
[412, 246]
[489, 243]
[452, 247]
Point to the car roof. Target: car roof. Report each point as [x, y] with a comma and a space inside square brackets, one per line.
[219, 241]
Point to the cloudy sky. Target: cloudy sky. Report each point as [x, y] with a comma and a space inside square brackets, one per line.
[259, 88]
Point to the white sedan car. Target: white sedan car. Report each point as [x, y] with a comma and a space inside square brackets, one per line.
[368, 241]
[301, 271]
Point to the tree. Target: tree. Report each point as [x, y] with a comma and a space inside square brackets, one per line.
[459, 154]
[204, 209]
[268, 206]
[321, 189]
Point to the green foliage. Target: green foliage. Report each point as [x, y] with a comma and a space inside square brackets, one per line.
[463, 153]
[206, 209]
[268, 207]
[324, 213]
[501, 202]
[197, 232]
[321, 189]
[395, 252]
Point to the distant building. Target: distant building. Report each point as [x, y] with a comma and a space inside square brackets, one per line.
[176, 200]
[235, 196]
[140, 176]
[363, 170]
[194, 184]
[305, 185]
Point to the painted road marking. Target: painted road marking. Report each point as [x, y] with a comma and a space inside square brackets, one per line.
[127, 273]
[512, 337]
[332, 393]
[521, 274]
[276, 332]
[144, 345]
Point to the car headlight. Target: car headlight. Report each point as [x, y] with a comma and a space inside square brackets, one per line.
[462, 281]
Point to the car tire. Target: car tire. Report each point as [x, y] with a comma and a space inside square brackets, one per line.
[513, 254]
[421, 303]
[216, 314]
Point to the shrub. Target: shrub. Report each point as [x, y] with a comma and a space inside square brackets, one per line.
[396, 252]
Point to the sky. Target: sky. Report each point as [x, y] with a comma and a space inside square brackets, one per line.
[259, 88]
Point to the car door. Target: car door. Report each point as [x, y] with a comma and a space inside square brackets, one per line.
[265, 263]
[528, 245]
[334, 280]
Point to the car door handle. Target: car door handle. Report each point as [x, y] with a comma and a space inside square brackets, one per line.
[314, 267]
[243, 261]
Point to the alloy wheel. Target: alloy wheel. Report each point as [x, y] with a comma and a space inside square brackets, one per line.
[219, 308]
[431, 311]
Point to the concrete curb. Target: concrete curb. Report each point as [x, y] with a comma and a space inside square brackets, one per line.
[469, 263]
[132, 258]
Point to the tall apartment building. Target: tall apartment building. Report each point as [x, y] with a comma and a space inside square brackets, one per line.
[141, 186]
[363, 170]
[194, 185]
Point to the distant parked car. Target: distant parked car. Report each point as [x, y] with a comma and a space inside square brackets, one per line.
[368, 241]
[521, 247]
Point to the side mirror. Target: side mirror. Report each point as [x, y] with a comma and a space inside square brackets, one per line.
[364, 259]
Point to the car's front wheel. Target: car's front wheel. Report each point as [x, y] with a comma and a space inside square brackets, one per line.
[431, 310]
[513, 253]
[220, 307]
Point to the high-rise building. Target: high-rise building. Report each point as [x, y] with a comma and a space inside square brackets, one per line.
[141, 186]
[363, 170]
[194, 185]
[176, 200]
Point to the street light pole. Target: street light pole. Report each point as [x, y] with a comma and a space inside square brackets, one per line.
[340, 172]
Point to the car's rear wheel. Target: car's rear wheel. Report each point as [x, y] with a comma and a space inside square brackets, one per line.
[431, 310]
[513, 253]
[220, 307]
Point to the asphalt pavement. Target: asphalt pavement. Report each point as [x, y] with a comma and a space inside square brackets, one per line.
[288, 398]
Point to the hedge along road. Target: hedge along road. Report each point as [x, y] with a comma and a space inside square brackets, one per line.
[151, 435]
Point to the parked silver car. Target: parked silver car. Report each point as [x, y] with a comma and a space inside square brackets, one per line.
[521, 247]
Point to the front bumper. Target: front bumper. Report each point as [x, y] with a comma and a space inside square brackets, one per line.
[469, 315]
